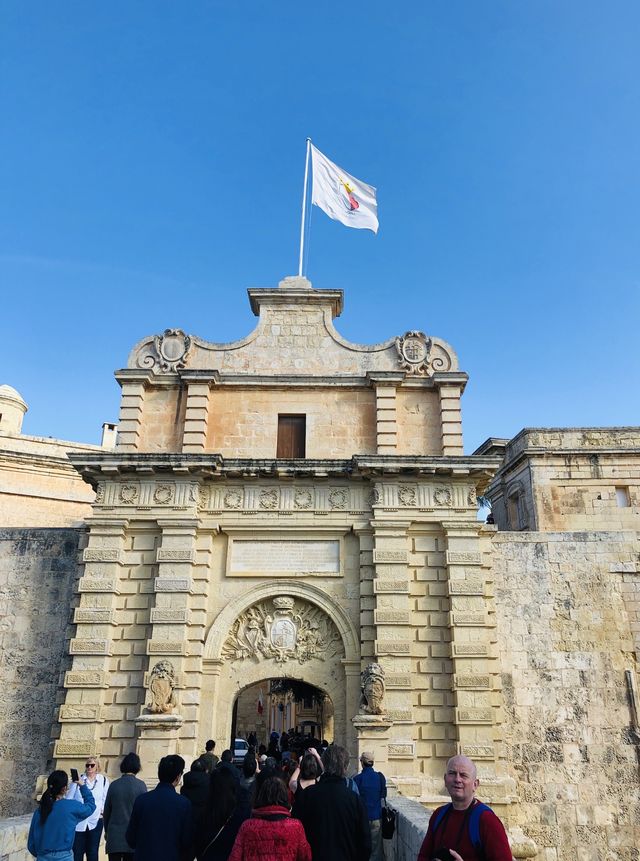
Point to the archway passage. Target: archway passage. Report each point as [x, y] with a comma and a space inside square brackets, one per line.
[283, 704]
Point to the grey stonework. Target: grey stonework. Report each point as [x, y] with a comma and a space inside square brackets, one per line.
[38, 581]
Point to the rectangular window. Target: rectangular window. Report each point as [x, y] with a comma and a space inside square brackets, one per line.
[622, 497]
[291, 436]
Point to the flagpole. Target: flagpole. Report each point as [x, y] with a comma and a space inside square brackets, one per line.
[304, 206]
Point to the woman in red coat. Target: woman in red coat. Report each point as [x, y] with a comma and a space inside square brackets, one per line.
[271, 834]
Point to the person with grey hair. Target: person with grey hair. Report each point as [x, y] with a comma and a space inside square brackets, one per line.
[465, 829]
[372, 786]
[334, 817]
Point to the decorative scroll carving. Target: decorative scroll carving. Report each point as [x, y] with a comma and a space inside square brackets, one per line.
[413, 352]
[470, 650]
[163, 494]
[400, 715]
[204, 497]
[161, 684]
[338, 498]
[442, 496]
[172, 349]
[234, 499]
[460, 557]
[472, 498]
[390, 556]
[381, 586]
[165, 555]
[283, 629]
[401, 751]
[303, 498]
[269, 498]
[85, 679]
[128, 493]
[101, 554]
[407, 495]
[372, 690]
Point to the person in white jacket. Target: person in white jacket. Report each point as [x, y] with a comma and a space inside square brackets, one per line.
[89, 831]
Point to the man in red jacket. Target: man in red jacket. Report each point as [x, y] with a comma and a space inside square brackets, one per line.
[465, 823]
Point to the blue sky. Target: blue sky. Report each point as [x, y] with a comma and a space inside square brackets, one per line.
[153, 156]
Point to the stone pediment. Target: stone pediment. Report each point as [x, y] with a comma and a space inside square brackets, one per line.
[295, 336]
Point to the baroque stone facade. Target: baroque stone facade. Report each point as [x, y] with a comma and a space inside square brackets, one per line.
[210, 566]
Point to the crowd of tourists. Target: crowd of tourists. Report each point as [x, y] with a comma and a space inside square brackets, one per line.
[279, 805]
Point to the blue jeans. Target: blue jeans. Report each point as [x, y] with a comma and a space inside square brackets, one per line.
[86, 843]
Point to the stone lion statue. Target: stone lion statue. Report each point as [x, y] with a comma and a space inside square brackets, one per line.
[372, 687]
[161, 684]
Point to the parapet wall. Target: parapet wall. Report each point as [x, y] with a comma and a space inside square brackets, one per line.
[38, 579]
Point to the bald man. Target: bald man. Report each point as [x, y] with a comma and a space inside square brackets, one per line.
[467, 828]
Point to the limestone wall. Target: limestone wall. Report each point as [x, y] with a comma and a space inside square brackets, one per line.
[38, 485]
[38, 577]
[565, 642]
[569, 479]
[163, 418]
[418, 421]
[339, 422]
[13, 839]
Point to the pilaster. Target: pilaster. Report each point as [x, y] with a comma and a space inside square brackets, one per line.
[197, 416]
[352, 698]
[386, 414]
[391, 617]
[177, 635]
[131, 409]
[82, 714]
[476, 673]
[450, 419]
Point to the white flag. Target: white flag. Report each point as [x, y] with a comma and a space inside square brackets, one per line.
[343, 197]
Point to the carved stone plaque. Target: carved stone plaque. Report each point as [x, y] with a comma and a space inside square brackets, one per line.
[284, 557]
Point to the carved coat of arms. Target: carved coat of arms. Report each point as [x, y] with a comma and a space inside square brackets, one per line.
[282, 629]
[413, 352]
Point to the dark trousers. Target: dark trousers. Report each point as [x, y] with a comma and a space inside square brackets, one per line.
[86, 843]
[121, 856]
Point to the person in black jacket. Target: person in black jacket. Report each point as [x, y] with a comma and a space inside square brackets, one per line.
[334, 817]
[195, 787]
[160, 824]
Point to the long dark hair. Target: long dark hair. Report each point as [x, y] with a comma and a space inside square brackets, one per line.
[56, 782]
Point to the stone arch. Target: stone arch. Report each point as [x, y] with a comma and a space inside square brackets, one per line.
[221, 625]
[339, 674]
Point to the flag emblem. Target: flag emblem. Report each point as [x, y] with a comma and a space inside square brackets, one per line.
[352, 203]
[343, 197]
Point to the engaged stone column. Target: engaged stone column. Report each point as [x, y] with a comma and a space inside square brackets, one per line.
[82, 715]
[133, 385]
[451, 420]
[393, 638]
[197, 415]
[476, 679]
[386, 416]
[168, 722]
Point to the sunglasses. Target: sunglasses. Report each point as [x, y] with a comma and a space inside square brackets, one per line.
[89, 765]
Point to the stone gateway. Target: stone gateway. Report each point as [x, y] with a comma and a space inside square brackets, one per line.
[294, 509]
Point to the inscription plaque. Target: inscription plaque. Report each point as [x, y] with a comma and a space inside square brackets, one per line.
[284, 557]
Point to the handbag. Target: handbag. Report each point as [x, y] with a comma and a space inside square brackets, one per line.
[387, 822]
